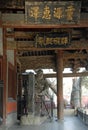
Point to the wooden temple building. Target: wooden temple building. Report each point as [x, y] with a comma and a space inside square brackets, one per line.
[37, 34]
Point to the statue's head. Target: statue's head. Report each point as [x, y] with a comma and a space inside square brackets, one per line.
[39, 74]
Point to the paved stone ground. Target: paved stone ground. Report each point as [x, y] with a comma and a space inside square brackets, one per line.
[69, 123]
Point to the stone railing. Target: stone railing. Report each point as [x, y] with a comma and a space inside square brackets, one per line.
[83, 115]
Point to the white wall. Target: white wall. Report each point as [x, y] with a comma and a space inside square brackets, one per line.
[10, 56]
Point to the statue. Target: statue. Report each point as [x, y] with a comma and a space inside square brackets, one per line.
[41, 84]
[41, 92]
[36, 92]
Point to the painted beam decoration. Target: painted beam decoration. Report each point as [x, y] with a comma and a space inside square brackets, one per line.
[11, 4]
[53, 39]
[54, 12]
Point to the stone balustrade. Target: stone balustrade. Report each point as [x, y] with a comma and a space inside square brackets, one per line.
[83, 114]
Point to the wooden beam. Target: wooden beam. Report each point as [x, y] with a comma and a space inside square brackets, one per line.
[30, 45]
[75, 56]
[75, 45]
[48, 61]
[81, 24]
[35, 62]
[34, 57]
[53, 75]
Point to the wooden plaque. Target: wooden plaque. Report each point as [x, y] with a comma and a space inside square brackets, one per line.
[52, 12]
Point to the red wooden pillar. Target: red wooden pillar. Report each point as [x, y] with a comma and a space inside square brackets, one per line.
[60, 103]
[15, 76]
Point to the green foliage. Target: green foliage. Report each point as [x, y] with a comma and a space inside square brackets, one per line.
[84, 81]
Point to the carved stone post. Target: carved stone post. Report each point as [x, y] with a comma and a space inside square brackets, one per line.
[60, 103]
[31, 102]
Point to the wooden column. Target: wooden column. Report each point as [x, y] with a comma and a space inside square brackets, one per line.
[19, 78]
[4, 75]
[15, 75]
[60, 103]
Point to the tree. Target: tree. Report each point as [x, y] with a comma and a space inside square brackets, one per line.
[84, 81]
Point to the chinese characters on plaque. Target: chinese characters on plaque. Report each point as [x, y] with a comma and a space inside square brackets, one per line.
[54, 39]
[52, 12]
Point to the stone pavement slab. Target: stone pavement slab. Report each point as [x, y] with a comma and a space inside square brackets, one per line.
[69, 123]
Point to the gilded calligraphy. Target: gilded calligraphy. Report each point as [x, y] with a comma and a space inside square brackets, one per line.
[52, 40]
[48, 41]
[34, 12]
[64, 40]
[58, 13]
[46, 14]
[70, 11]
[40, 40]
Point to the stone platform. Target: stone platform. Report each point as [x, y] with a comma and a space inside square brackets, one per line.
[30, 119]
